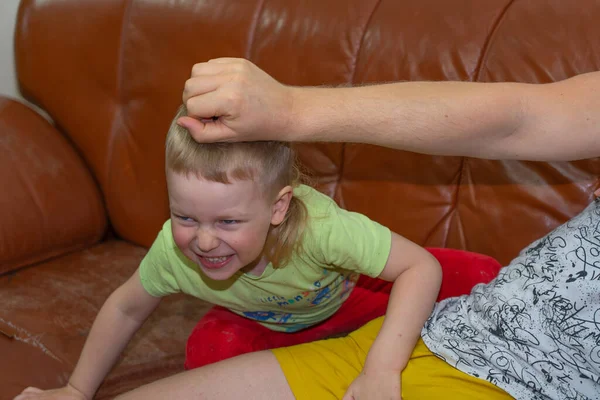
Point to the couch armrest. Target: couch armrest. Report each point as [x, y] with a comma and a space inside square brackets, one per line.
[49, 202]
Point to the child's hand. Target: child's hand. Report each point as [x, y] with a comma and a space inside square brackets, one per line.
[65, 393]
[378, 385]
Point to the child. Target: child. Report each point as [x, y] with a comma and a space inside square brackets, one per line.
[307, 240]
[245, 236]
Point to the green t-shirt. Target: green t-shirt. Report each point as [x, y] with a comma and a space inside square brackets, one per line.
[337, 245]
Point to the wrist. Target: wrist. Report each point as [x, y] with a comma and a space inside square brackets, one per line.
[298, 116]
[374, 365]
[326, 114]
[74, 388]
[385, 357]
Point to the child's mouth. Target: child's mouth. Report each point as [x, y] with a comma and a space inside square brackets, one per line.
[214, 262]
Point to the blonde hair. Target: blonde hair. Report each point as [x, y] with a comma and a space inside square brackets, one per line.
[272, 164]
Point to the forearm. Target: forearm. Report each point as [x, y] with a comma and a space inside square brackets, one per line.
[445, 118]
[411, 301]
[540, 122]
[109, 335]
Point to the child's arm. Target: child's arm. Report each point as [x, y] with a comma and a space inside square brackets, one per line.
[417, 277]
[119, 318]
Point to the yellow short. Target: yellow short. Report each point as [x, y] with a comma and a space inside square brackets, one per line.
[323, 370]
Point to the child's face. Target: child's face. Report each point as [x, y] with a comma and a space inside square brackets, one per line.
[223, 227]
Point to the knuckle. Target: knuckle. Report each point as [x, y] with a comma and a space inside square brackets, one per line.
[187, 86]
[234, 101]
[190, 105]
[197, 68]
[240, 68]
[239, 80]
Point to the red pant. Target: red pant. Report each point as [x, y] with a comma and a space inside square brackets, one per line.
[221, 334]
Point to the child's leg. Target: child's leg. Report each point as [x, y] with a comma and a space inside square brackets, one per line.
[221, 334]
[462, 270]
[255, 376]
[367, 301]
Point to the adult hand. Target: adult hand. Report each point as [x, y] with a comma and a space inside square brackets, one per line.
[231, 99]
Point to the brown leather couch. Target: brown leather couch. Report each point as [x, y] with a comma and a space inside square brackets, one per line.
[82, 199]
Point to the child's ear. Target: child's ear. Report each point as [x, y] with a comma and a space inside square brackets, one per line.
[281, 205]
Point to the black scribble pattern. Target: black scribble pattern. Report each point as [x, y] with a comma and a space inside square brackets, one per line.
[535, 330]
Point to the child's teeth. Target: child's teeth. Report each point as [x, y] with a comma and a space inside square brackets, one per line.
[216, 259]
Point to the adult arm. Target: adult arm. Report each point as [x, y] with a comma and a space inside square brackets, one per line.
[555, 121]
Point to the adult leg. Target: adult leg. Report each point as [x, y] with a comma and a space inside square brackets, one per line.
[323, 370]
[254, 376]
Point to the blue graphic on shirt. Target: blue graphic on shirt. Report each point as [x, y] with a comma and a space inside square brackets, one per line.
[349, 284]
[317, 296]
[271, 316]
[321, 295]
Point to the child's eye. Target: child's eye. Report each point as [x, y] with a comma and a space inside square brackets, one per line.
[229, 221]
[184, 218]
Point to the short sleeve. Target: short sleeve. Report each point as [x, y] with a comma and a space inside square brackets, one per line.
[155, 269]
[352, 241]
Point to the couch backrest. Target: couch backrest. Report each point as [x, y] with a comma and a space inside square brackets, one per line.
[111, 73]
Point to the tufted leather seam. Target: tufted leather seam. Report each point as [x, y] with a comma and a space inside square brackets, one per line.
[489, 40]
[117, 116]
[362, 39]
[253, 28]
[456, 214]
[354, 62]
[452, 210]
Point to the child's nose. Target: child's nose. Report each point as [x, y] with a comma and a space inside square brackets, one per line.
[207, 240]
